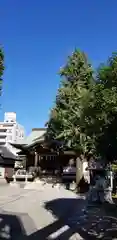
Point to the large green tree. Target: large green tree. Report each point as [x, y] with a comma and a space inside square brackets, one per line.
[104, 110]
[85, 111]
[1, 67]
[67, 120]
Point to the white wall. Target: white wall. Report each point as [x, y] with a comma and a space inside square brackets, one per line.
[10, 117]
[11, 131]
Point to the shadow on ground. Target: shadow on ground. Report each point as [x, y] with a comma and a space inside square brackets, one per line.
[95, 223]
[63, 206]
[11, 227]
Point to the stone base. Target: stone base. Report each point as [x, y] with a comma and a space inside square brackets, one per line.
[72, 186]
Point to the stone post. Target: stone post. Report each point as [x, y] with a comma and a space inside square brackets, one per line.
[36, 163]
[36, 159]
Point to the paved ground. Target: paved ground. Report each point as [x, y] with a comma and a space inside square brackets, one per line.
[40, 212]
[35, 212]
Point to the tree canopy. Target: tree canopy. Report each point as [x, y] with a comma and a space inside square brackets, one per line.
[85, 112]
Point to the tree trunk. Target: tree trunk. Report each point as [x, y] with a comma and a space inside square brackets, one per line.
[79, 172]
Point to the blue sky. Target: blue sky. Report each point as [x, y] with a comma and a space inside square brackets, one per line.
[37, 36]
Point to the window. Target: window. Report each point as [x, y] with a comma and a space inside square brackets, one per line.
[9, 125]
[2, 143]
[9, 138]
[3, 130]
[10, 131]
[2, 136]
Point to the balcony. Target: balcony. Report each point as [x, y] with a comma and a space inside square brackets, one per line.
[3, 139]
[2, 134]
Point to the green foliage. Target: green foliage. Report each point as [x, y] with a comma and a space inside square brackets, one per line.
[85, 111]
[66, 118]
[1, 67]
[107, 99]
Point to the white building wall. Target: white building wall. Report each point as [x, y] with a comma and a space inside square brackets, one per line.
[11, 131]
[19, 132]
[10, 117]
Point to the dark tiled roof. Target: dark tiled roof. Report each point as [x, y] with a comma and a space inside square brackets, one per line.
[6, 153]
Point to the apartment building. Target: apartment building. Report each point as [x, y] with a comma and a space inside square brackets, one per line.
[10, 130]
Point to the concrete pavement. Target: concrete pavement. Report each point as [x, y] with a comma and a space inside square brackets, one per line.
[36, 211]
[31, 211]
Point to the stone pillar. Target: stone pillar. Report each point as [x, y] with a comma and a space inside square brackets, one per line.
[109, 189]
[25, 162]
[111, 179]
[36, 159]
[39, 158]
[39, 167]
